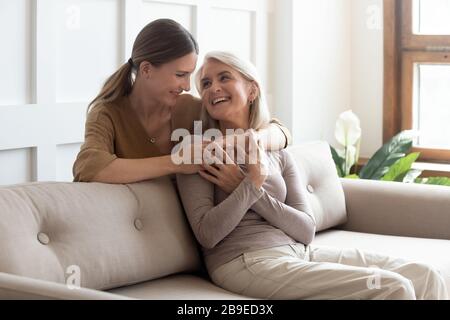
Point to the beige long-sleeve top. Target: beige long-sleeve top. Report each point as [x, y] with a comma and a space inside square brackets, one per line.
[114, 131]
[248, 219]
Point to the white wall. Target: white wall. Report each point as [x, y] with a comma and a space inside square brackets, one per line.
[283, 60]
[321, 66]
[367, 72]
[330, 59]
[315, 76]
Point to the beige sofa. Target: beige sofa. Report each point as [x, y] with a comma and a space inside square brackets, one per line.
[133, 241]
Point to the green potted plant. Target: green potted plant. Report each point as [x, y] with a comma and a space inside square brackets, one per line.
[392, 162]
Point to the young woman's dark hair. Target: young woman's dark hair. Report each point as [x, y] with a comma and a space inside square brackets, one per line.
[159, 42]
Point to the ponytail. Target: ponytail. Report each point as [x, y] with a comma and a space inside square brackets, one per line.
[119, 84]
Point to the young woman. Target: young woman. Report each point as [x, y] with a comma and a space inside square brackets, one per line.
[256, 229]
[129, 125]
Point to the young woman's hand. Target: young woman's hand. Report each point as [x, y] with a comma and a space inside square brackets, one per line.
[187, 157]
[241, 138]
[220, 169]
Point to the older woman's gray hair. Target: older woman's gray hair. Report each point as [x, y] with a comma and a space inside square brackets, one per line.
[259, 113]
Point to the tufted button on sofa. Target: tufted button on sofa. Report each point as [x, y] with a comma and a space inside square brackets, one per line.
[100, 241]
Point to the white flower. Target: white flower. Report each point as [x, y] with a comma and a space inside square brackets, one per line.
[349, 159]
[348, 134]
[348, 130]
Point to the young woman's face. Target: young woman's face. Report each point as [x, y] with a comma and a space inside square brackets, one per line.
[166, 82]
[225, 92]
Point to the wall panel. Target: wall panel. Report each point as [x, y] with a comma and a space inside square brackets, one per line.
[87, 47]
[237, 22]
[66, 155]
[15, 53]
[16, 166]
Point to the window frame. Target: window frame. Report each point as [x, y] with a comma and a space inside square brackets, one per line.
[418, 41]
[402, 50]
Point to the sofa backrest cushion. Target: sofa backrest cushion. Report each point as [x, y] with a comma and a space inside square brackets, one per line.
[108, 235]
[325, 191]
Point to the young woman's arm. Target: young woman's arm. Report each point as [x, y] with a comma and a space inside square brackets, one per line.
[134, 170]
[97, 162]
[275, 137]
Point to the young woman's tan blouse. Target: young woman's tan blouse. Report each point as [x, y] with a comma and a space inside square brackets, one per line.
[114, 131]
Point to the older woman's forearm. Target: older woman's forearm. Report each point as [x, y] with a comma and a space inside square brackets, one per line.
[298, 224]
[210, 223]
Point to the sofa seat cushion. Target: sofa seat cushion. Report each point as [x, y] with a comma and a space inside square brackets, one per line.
[177, 287]
[430, 251]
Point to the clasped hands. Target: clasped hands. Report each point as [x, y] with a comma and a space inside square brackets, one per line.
[228, 160]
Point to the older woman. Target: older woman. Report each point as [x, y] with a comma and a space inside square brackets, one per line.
[256, 229]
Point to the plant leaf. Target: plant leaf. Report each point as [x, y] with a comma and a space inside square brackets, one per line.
[338, 161]
[386, 156]
[443, 181]
[352, 176]
[412, 175]
[400, 169]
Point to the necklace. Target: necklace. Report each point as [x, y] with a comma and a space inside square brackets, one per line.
[152, 139]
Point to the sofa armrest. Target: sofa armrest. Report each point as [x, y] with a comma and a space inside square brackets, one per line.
[18, 287]
[395, 208]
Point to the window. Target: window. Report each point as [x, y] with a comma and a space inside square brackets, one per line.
[417, 74]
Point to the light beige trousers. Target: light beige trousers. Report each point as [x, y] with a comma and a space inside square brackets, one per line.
[319, 272]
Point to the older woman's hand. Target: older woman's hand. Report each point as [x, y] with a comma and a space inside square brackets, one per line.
[226, 173]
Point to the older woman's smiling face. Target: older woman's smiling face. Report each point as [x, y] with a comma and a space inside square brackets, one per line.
[225, 92]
